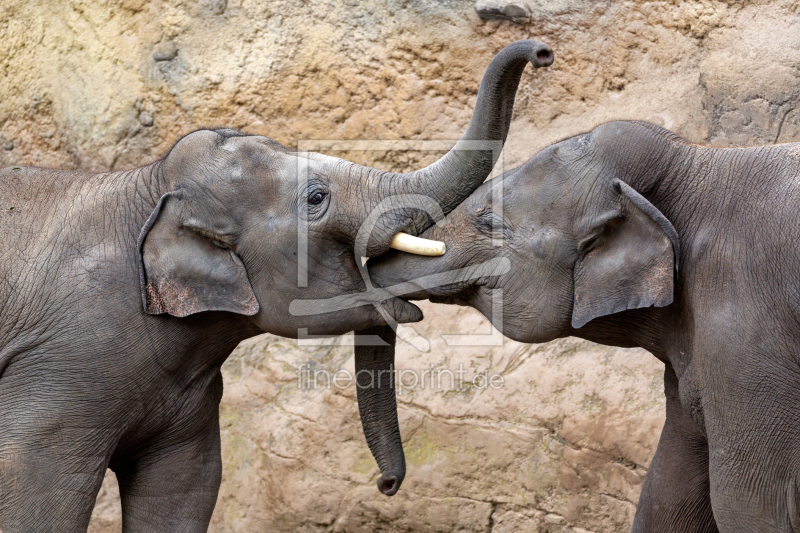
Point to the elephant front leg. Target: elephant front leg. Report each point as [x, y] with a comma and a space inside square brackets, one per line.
[48, 486]
[675, 496]
[173, 488]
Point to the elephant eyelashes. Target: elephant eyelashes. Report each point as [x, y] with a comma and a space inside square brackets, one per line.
[316, 201]
[316, 198]
[490, 224]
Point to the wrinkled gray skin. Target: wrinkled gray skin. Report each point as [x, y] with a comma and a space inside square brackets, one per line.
[122, 294]
[590, 228]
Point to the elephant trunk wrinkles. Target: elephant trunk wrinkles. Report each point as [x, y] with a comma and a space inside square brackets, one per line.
[378, 406]
[462, 170]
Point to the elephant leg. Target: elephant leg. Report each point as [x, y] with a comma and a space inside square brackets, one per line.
[675, 496]
[48, 487]
[172, 488]
[754, 449]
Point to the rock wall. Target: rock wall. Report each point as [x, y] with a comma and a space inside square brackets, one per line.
[563, 445]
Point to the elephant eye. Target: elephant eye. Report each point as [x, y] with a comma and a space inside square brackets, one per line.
[491, 224]
[316, 198]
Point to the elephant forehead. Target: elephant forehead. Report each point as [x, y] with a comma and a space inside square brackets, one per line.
[527, 198]
[207, 149]
[199, 158]
[285, 167]
[315, 159]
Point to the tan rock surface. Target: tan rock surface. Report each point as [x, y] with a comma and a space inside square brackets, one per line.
[567, 433]
[564, 444]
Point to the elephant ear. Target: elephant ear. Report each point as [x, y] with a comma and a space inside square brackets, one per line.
[632, 263]
[183, 270]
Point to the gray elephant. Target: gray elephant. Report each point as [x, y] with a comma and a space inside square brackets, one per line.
[123, 293]
[631, 236]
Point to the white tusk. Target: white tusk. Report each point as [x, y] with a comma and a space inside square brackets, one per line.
[415, 245]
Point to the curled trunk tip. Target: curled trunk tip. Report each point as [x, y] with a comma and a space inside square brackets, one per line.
[451, 179]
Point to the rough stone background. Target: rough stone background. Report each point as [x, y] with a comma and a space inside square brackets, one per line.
[564, 444]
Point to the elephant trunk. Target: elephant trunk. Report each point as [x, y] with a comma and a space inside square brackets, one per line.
[378, 406]
[458, 173]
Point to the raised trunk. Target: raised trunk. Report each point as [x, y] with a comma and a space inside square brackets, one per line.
[377, 404]
[462, 170]
[407, 202]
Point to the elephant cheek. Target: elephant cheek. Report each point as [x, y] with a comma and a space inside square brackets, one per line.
[543, 246]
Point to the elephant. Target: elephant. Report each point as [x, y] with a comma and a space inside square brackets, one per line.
[123, 293]
[631, 236]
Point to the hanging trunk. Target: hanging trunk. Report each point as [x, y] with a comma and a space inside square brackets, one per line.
[377, 405]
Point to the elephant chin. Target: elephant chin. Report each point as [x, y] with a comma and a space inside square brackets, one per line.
[460, 298]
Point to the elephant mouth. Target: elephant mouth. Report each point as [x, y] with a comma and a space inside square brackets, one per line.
[452, 293]
[445, 284]
[462, 296]
[453, 286]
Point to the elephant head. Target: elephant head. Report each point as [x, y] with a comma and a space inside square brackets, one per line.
[556, 246]
[244, 225]
[556, 243]
[248, 226]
